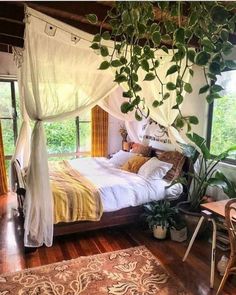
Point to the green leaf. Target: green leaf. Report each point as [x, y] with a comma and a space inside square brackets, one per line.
[134, 77]
[97, 38]
[216, 88]
[172, 70]
[214, 68]
[154, 27]
[120, 78]
[193, 18]
[92, 18]
[104, 65]
[128, 94]
[193, 120]
[145, 65]
[212, 77]
[142, 28]
[137, 116]
[179, 123]
[106, 35]
[179, 35]
[156, 38]
[188, 87]
[204, 89]
[156, 63]
[166, 96]
[166, 37]
[224, 34]
[219, 14]
[165, 49]
[104, 51]
[137, 50]
[125, 17]
[149, 77]
[125, 107]
[95, 46]
[170, 86]
[202, 58]
[191, 55]
[136, 88]
[210, 97]
[191, 72]
[116, 63]
[155, 103]
[227, 48]
[208, 45]
[179, 99]
[136, 101]
[123, 60]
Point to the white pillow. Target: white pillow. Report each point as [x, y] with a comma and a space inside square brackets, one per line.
[120, 158]
[154, 169]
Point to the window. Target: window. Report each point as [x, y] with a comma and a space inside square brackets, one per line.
[64, 138]
[9, 116]
[222, 117]
[68, 137]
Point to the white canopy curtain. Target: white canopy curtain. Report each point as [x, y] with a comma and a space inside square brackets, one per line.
[59, 79]
[112, 103]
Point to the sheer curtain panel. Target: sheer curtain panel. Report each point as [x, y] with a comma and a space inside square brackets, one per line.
[59, 79]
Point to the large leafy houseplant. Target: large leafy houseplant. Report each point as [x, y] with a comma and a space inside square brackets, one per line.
[138, 29]
[204, 172]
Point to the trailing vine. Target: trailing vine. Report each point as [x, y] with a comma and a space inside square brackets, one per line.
[137, 34]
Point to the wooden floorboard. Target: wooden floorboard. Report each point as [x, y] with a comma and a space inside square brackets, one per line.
[194, 273]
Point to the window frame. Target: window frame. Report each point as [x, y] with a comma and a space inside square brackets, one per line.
[14, 112]
[210, 123]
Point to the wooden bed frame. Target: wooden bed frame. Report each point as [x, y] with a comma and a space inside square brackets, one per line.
[109, 219]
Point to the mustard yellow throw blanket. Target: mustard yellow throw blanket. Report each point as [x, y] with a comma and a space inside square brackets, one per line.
[75, 198]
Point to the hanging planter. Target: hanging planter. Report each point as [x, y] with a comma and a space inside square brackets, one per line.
[140, 30]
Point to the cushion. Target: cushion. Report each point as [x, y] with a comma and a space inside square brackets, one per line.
[154, 169]
[120, 158]
[141, 149]
[175, 158]
[134, 163]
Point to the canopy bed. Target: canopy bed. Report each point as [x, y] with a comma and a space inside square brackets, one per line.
[59, 78]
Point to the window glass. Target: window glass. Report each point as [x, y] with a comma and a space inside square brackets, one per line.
[85, 136]
[5, 100]
[223, 134]
[8, 136]
[61, 136]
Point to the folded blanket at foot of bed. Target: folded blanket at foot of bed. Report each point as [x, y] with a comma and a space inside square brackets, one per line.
[75, 198]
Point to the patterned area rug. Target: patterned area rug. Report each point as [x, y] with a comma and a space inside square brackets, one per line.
[132, 271]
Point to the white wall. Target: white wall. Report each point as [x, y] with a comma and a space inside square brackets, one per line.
[7, 65]
[114, 137]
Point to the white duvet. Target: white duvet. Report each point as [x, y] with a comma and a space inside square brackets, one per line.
[120, 189]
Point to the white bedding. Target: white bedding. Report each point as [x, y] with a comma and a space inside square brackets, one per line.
[120, 189]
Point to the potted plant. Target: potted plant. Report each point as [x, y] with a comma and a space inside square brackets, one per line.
[178, 228]
[203, 174]
[159, 215]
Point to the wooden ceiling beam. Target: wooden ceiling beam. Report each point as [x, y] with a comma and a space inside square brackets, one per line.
[11, 28]
[11, 40]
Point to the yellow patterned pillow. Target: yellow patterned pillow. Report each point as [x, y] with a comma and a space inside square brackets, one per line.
[134, 163]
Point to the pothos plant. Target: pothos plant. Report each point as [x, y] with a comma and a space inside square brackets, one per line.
[139, 29]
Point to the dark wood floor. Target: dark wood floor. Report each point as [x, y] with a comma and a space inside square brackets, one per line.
[194, 273]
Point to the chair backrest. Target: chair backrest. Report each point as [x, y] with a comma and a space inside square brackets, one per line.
[230, 219]
[20, 180]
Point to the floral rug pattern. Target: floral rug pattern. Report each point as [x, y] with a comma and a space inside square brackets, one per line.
[134, 271]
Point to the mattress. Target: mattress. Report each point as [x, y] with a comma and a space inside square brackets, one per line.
[121, 189]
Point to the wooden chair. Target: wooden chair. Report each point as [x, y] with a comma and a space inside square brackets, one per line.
[230, 213]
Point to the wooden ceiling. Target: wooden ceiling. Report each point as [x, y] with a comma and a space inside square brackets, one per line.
[71, 12]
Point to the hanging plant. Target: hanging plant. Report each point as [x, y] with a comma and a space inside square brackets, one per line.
[139, 29]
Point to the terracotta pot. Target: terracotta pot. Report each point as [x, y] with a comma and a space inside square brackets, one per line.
[191, 219]
[159, 232]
